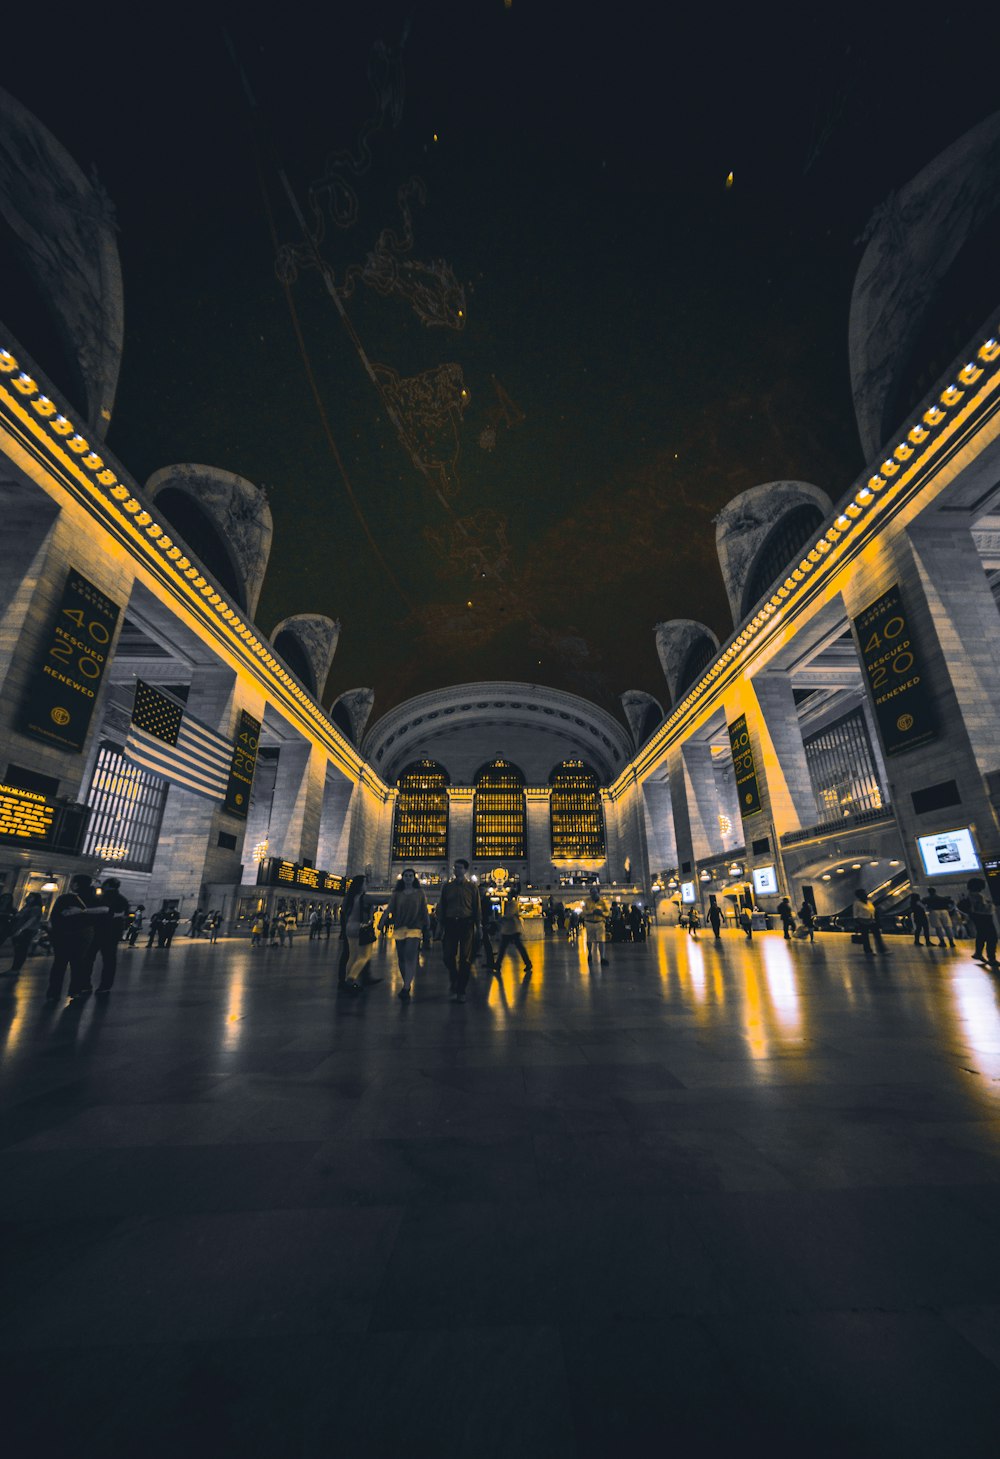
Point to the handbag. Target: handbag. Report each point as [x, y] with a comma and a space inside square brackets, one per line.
[366, 934]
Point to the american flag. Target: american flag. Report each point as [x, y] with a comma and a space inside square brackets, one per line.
[163, 738]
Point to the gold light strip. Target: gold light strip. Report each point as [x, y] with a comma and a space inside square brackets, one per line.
[937, 422]
[70, 448]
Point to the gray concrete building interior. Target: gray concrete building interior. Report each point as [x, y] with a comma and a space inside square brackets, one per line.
[721, 1191]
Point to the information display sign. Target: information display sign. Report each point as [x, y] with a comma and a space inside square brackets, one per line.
[273, 872]
[72, 659]
[687, 892]
[747, 787]
[949, 853]
[244, 763]
[904, 710]
[25, 816]
[765, 881]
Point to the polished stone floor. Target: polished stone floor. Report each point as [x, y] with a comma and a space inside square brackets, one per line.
[707, 1200]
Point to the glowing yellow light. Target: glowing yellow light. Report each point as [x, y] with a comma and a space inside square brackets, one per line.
[729, 180]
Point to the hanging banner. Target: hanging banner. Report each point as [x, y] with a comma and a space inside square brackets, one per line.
[72, 659]
[904, 710]
[241, 771]
[747, 788]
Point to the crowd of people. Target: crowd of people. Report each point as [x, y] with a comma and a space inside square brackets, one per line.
[87, 924]
[969, 916]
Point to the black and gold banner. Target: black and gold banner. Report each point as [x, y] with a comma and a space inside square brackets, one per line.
[747, 787]
[241, 771]
[74, 654]
[904, 710]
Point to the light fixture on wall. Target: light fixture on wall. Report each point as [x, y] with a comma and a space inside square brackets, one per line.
[50, 884]
[706, 875]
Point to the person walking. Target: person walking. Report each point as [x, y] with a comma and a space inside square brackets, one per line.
[212, 925]
[595, 921]
[939, 917]
[327, 923]
[715, 918]
[108, 933]
[694, 922]
[866, 921]
[787, 917]
[410, 918]
[71, 929]
[315, 925]
[512, 934]
[24, 928]
[169, 918]
[197, 922]
[918, 920]
[981, 912]
[460, 916]
[746, 922]
[258, 929]
[291, 926]
[135, 925]
[807, 916]
[358, 936]
[488, 924]
[154, 928]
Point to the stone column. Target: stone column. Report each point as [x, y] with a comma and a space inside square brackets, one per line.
[298, 801]
[660, 837]
[703, 800]
[782, 758]
[680, 801]
[331, 849]
[539, 836]
[460, 822]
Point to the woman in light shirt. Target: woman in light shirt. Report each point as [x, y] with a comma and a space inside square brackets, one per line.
[410, 919]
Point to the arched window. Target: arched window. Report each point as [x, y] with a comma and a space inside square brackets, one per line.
[775, 557]
[420, 825]
[575, 813]
[203, 536]
[498, 812]
[701, 653]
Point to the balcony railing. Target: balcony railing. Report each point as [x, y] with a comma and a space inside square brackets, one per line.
[840, 823]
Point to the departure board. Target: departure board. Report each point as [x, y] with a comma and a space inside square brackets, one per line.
[25, 816]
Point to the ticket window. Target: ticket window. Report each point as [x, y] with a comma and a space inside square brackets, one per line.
[38, 881]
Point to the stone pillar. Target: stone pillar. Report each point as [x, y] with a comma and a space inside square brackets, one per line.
[680, 801]
[782, 758]
[298, 801]
[539, 836]
[188, 854]
[460, 798]
[660, 838]
[331, 849]
[703, 800]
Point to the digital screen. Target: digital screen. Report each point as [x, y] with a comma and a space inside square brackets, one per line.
[687, 891]
[275, 872]
[949, 853]
[286, 872]
[24, 814]
[765, 881]
[307, 876]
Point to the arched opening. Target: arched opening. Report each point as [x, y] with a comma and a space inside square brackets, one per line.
[575, 815]
[200, 533]
[701, 653]
[288, 646]
[420, 823]
[341, 718]
[27, 312]
[498, 813]
[959, 306]
[787, 538]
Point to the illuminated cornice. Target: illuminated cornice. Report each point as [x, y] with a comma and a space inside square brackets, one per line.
[935, 432]
[48, 430]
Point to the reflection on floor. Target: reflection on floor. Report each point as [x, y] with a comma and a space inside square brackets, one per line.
[708, 1197]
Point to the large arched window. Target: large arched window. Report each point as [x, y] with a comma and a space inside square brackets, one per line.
[575, 813]
[420, 825]
[775, 557]
[498, 812]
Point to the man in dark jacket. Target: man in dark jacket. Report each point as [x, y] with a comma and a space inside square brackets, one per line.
[71, 929]
[459, 915]
[109, 932]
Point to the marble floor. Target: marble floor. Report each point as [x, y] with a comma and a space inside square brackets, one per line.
[706, 1200]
